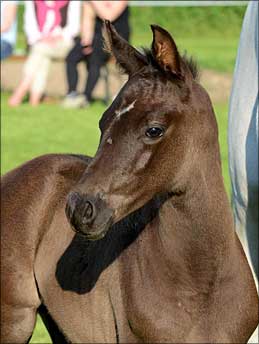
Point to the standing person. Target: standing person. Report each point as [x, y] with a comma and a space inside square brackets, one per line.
[90, 47]
[243, 136]
[8, 27]
[50, 27]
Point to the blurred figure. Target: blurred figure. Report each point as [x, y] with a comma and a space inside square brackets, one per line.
[50, 27]
[90, 47]
[8, 27]
[243, 136]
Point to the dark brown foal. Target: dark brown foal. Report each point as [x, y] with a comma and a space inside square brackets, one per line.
[155, 258]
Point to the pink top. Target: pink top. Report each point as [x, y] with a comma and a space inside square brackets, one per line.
[59, 18]
[49, 17]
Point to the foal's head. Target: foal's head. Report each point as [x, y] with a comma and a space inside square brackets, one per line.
[159, 128]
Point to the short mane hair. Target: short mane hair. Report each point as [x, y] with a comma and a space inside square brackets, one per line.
[188, 60]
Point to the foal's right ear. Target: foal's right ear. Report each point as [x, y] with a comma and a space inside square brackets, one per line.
[127, 57]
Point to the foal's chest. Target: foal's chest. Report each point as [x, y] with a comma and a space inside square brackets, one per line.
[155, 313]
[133, 299]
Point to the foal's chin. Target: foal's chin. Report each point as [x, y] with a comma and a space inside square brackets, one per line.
[93, 234]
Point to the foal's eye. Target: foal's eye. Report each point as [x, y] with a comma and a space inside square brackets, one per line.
[154, 132]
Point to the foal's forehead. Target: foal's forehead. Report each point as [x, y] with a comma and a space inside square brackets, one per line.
[142, 94]
[152, 88]
[146, 94]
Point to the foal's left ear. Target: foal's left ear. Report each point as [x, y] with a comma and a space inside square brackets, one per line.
[165, 51]
[127, 57]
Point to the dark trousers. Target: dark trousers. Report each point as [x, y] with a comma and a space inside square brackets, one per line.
[93, 61]
[96, 59]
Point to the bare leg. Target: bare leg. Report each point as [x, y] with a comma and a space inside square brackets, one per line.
[20, 91]
[34, 76]
[40, 79]
[35, 98]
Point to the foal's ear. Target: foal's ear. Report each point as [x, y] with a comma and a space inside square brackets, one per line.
[165, 51]
[127, 57]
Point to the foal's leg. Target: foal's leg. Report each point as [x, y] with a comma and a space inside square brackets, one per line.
[17, 323]
[19, 298]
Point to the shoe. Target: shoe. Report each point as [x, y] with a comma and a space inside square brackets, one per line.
[75, 101]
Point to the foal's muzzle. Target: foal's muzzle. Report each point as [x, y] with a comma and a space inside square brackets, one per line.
[88, 215]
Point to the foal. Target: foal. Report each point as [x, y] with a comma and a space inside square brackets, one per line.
[155, 258]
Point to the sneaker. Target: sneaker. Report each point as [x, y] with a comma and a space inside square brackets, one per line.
[74, 100]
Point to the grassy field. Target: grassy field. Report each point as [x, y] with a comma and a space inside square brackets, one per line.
[211, 34]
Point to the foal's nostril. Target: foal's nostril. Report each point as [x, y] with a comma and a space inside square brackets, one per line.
[88, 213]
[71, 204]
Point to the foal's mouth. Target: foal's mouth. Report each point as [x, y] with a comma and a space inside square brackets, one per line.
[96, 234]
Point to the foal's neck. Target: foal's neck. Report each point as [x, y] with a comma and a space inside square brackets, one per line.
[196, 228]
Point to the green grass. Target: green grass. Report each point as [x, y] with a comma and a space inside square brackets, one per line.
[40, 334]
[189, 21]
[28, 132]
[209, 33]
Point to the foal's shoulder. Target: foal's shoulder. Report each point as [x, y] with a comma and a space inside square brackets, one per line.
[53, 166]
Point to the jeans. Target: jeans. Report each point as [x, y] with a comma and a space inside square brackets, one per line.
[6, 49]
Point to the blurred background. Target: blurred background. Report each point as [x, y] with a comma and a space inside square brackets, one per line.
[207, 30]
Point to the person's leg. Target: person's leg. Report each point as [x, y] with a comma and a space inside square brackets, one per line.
[21, 90]
[36, 70]
[243, 137]
[39, 82]
[243, 141]
[6, 49]
[73, 58]
[95, 61]
[122, 25]
[47, 53]
[251, 160]
[29, 71]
